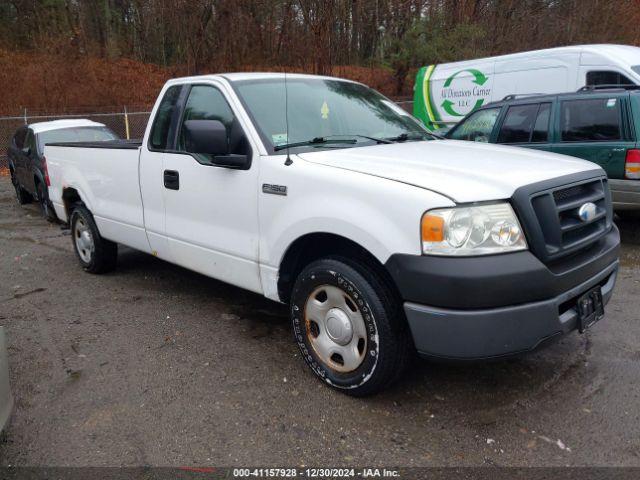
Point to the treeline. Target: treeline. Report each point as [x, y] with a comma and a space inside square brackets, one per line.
[313, 35]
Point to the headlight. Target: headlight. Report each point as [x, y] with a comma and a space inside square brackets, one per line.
[473, 230]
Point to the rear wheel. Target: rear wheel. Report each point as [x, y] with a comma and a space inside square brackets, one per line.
[349, 326]
[96, 254]
[22, 196]
[43, 202]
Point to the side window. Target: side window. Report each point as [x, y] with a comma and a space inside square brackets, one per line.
[607, 77]
[208, 103]
[590, 120]
[540, 132]
[477, 127]
[29, 142]
[518, 124]
[18, 138]
[159, 138]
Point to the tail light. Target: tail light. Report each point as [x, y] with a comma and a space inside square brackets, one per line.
[632, 164]
[46, 172]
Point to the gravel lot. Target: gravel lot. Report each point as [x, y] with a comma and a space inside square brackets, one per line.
[156, 365]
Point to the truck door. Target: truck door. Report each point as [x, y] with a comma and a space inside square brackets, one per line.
[593, 128]
[211, 211]
[27, 156]
[152, 152]
[15, 149]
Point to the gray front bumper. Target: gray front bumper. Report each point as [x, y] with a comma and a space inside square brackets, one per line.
[625, 194]
[486, 333]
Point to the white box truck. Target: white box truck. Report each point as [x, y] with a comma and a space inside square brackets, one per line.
[445, 93]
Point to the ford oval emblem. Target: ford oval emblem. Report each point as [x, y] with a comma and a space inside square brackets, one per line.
[587, 212]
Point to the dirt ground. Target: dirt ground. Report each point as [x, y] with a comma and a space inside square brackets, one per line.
[156, 365]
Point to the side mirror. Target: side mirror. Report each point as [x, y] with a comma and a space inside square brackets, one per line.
[206, 136]
[210, 137]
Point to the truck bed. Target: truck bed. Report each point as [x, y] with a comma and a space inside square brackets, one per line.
[121, 144]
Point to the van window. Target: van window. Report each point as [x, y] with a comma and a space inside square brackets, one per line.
[607, 77]
[541, 127]
[477, 127]
[590, 120]
[518, 124]
[162, 123]
[636, 68]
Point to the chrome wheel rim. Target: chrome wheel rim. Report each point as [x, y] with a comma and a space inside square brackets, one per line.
[335, 328]
[83, 240]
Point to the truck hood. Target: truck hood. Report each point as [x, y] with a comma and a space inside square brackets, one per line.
[462, 171]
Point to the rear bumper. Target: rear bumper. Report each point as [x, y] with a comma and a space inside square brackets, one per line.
[625, 194]
[482, 307]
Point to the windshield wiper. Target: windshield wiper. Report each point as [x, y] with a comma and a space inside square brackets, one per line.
[375, 139]
[403, 137]
[314, 141]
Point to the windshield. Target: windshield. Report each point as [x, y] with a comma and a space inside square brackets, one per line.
[477, 127]
[636, 69]
[324, 113]
[75, 134]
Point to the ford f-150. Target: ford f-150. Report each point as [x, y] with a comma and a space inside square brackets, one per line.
[322, 194]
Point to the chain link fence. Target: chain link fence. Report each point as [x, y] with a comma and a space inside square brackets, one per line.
[127, 123]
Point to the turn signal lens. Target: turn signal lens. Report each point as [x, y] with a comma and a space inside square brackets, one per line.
[632, 164]
[432, 228]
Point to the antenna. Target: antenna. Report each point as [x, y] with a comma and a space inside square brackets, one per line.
[288, 161]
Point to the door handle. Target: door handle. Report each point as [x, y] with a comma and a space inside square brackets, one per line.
[171, 180]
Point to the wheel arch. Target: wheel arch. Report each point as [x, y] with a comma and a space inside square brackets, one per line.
[71, 196]
[313, 246]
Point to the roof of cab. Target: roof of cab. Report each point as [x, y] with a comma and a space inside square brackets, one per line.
[241, 76]
[59, 124]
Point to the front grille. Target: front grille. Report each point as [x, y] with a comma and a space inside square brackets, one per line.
[551, 221]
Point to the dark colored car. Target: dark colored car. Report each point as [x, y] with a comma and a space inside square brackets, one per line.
[27, 164]
[600, 124]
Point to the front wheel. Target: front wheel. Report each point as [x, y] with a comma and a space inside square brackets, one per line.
[349, 326]
[96, 254]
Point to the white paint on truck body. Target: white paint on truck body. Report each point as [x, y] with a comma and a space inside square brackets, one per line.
[221, 224]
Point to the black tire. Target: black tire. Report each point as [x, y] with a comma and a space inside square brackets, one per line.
[103, 256]
[388, 343]
[22, 196]
[43, 201]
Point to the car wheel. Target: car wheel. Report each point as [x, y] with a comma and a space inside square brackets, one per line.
[22, 196]
[96, 254]
[349, 326]
[43, 202]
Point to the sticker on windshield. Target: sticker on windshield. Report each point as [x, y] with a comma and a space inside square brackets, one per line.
[611, 102]
[324, 111]
[279, 138]
[396, 108]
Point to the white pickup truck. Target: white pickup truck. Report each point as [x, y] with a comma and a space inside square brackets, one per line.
[322, 194]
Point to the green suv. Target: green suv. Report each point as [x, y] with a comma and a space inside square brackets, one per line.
[598, 124]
